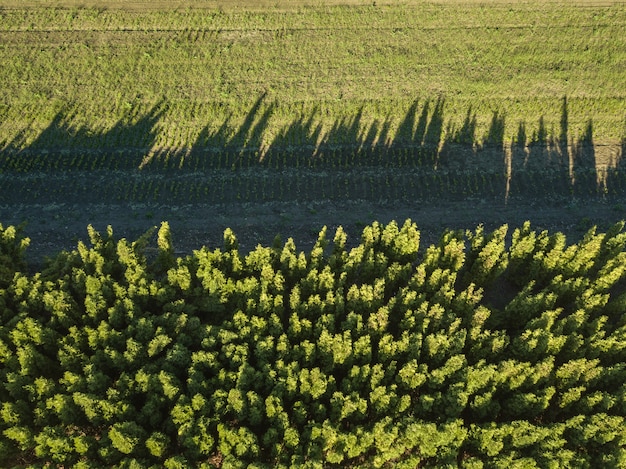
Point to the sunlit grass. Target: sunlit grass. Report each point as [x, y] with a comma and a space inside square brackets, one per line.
[207, 66]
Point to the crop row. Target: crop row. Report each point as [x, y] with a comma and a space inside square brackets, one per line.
[260, 186]
[338, 157]
[337, 17]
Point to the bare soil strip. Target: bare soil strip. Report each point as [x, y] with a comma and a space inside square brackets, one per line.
[56, 227]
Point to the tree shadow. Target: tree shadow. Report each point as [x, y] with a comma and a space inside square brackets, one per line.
[614, 173]
[295, 143]
[550, 163]
[349, 142]
[458, 150]
[225, 148]
[563, 139]
[585, 177]
[424, 156]
[550, 174]
[64, 146]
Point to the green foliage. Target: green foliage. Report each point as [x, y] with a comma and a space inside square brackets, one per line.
[125, 436]
[12, 248]
[488, 258]
[377, 356]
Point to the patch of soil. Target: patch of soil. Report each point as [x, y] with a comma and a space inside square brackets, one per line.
[56, 227]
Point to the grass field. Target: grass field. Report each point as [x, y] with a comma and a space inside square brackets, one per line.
[220, 102]
[97, 67]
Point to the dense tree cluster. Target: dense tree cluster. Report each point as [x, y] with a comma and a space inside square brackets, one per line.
[486, 350]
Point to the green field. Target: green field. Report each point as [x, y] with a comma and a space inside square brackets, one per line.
[228, 102]
[95, 68]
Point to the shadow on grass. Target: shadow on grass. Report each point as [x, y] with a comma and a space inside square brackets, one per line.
[424, 156]
[62, 146]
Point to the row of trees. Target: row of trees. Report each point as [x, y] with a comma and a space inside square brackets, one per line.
[486, 350]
